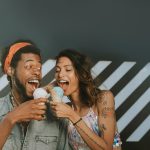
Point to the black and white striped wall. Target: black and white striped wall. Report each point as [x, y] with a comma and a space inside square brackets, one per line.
[130, 102]
[115, 34]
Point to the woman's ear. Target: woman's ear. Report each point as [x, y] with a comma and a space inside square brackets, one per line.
[10, 71]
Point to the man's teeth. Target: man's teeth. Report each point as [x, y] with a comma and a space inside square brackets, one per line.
[34, 81]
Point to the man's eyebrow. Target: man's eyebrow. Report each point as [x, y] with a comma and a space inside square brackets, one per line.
[28, 60]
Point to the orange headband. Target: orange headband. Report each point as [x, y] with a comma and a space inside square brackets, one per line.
[13, 49]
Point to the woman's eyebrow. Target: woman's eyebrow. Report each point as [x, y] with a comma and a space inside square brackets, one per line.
[64, 66]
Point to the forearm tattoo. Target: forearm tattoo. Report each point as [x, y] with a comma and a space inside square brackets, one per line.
[102, 129]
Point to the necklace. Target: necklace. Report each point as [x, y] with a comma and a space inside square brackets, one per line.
[14, 101]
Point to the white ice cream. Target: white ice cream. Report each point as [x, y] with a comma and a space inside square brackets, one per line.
[40, 93]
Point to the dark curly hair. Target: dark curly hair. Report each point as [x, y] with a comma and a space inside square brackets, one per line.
[82, 65]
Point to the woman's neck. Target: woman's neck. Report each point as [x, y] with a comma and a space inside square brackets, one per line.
[77, 104]
[75, 99]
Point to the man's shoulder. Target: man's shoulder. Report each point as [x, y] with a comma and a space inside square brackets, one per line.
[4, 104]
[4, 99]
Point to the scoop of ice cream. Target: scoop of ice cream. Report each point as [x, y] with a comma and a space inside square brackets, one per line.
[57, 93]
[40, 93]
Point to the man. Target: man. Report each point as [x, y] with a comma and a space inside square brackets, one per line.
[22, 122]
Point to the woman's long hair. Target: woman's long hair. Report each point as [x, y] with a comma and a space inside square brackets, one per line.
[87, 90]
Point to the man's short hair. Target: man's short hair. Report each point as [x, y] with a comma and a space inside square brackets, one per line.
[32, 48]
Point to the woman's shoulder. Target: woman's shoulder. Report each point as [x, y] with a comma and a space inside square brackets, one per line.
[105, 94]
[105, 102]
[105, 99]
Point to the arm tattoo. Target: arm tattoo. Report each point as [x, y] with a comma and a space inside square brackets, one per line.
[102, 129]
[104, 102]
[107, 111]
[101, 100]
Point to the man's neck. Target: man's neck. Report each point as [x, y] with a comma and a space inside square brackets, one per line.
[17, 100]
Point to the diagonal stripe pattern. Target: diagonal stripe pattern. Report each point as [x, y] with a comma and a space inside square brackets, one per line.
[125, 120]
[134, 110]
[132, 85]
[99, 67]
[137, 135]
[117, 74]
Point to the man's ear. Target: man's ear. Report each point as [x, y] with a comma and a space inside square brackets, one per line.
[10, 71]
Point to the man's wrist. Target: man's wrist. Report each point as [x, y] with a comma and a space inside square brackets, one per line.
[10, 119]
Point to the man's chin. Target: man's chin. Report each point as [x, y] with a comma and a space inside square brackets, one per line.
[28, 96]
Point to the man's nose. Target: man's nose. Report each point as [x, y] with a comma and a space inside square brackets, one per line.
[36, 70]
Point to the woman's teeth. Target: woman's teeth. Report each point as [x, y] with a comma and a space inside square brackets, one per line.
[63, 83]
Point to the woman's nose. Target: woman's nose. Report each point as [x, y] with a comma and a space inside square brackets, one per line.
[61, 74]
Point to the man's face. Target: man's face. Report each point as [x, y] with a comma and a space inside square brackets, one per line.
[27, 75]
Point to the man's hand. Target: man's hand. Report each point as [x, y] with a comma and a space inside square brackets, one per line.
[29, 110]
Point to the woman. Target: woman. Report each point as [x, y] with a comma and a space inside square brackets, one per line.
[92, 122]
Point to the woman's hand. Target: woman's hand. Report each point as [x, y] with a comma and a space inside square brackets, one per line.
[63, 110]
[50, 86]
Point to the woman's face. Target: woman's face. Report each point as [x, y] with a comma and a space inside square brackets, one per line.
[66, 76]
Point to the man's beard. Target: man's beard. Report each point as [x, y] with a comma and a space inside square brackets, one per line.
[21, 89]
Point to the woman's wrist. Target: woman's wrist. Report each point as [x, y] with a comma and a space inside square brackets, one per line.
[74, 117]
[75, 123]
